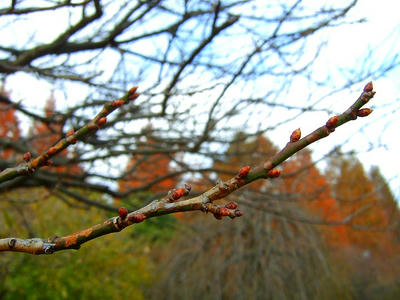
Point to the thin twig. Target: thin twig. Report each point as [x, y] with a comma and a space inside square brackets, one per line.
[172, 203]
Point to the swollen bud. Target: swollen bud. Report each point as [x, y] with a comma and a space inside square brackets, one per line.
[117, 103]
[295, 136]
[274, 173]
[133, 96]
[364, 112]
[223, 211]
[243, 172]
[133, 90]
[368, 87]
[331, 123]
[102, 121]
[52, 151]
[122, 212]
[137, 218]
[231, 205]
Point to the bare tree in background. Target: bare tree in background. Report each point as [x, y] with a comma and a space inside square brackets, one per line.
[206, 68]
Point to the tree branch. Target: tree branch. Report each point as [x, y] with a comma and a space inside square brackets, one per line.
[172, 203]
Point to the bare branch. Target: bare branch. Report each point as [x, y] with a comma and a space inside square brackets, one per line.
[204, 202]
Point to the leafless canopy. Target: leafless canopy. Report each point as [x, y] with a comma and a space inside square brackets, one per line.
[205, 70]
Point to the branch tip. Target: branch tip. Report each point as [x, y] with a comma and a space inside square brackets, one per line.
[133, 90]
[368, 87]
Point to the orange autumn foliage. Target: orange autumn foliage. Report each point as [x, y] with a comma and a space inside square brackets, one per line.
[252, 152]
[312, 190]
[149, 170]
[8, 127]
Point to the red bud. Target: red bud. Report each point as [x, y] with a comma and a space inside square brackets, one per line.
[102, 121]
[295, 136]
[137, 218]
[176, 194]
[52, 151]
[122, 212]
[117, 103]
[274, 173]
[368, 87]
[133, 96]
[223, 211]
[364, 112]
[133, 90]
[331, 123]
[238, 213]
[243, 172]
[231, 205]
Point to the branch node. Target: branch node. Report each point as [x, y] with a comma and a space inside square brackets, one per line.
[12, 242]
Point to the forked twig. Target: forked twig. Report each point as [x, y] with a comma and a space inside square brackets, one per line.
[172, 203]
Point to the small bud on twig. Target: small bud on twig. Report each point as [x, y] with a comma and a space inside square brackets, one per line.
[331, 123]
[364, 112]
[137, 218]
[122, 212]
[238, 213]
[133, 96]
[133, 90]
[176, 194]
[223, 211]
[295, 136]
[117, 103]
[52, 151]
[243, 172]
[274, 173]
[102, 121]
[27, 156]
[231, 205]
[368, 87]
